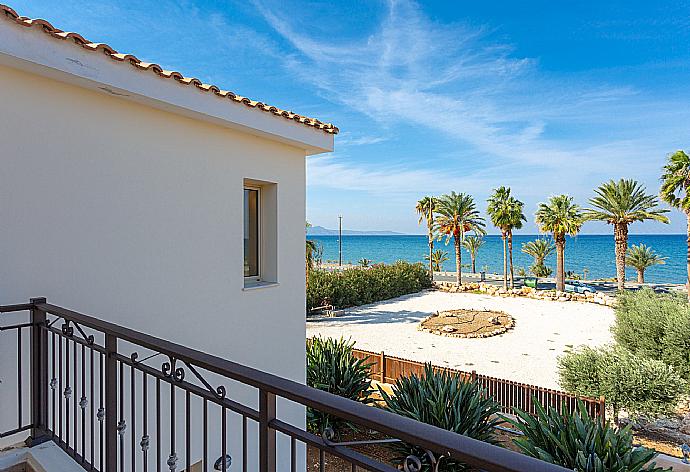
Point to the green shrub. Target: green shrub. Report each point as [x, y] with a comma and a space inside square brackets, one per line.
[360, 286]
[580, 443]
[333, 368]
[638, 385]
[656, 326]
[442, 399]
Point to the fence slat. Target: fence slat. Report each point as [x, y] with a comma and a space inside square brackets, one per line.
[508, 393]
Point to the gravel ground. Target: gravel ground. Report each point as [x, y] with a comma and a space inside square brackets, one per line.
[527, 353]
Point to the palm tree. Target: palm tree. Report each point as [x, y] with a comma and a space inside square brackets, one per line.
[456, 215]
[642, 257]
[560, 216]
[472, 244]
[620, 204]
[674, 191]
[539, 249]
[506, 214]
[438, 257]
[310, 250]
[425, 209]
[364, 262]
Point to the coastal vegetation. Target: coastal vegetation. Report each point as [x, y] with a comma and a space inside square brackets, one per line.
[580, 442]
[675, 190]
[472, 244]
[560, 216]
[642, 257]
[437, 258]
[539, 249]
[506, 213]
[360, 286]
[457, 215]
[640, 386]
[620, 204]
[443, 399]
[425, 209]
[333, 368]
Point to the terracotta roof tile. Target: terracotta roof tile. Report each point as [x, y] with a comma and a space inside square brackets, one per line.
[79, 40]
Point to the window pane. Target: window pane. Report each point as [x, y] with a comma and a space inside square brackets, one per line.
[251, 233]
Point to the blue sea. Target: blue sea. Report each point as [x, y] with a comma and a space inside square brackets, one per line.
[592, 252]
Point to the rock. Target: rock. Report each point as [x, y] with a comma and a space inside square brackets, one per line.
[448, 329]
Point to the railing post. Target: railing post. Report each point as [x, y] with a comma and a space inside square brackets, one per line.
[267, 435]
[110, 403]
[602, 408]
[383, 367]
[39, 375]
[474, 376]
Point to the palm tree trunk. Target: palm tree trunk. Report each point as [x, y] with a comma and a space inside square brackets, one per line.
[458, 261]
[505, 261]
[620, 234]
[640, 276]
[431, 252]
[560, 262]
[474, 258]
[510, 255]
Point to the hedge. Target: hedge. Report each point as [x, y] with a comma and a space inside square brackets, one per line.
[363, 285]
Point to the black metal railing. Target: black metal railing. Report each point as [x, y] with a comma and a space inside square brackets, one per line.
[95, 389]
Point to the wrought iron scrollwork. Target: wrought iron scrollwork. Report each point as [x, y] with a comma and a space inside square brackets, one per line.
[412, 463]
[219, 391]
[68, 330]
[170, 370]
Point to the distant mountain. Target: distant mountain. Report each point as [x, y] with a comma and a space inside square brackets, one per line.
[321, 231]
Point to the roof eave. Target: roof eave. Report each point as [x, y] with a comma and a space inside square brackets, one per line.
[26, 49]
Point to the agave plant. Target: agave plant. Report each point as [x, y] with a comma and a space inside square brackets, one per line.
[579, 442]
[332, 367]
[445, 400]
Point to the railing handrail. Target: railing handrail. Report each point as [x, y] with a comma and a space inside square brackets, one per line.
[471, 451]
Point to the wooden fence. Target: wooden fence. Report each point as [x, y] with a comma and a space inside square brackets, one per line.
[508, 393]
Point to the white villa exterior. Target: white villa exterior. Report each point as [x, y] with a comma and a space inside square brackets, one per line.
[123, 193]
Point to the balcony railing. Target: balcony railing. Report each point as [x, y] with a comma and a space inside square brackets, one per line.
[95, 389]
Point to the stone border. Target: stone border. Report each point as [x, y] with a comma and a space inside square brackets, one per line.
[439, 332]
[527, 292]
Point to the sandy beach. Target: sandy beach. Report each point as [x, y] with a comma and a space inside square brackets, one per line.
[528, 353]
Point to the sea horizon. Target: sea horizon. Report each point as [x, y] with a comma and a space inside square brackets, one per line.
[593, 252]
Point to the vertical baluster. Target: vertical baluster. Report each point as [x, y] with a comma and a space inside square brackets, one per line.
[101, 412]
[145, 421]
[267, 435]
[244, 443]
[223, 437]
[205, 435]
[68, 391]
[293, 455]
[122, 425]
[110, 403]
[92, 401]
[74, 398]
[132, 412]
[60, 385]
[188, 431]
[19, 377]
[83, 403]
[158, 425]
[39, 374]
[322, 460]
[52, 382]
[172, 460]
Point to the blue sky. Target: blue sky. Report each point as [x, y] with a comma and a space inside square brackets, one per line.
[543, 96]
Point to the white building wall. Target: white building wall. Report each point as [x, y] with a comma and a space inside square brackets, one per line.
[134, 215]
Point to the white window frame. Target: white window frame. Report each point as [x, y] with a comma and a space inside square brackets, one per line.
[259, 258]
